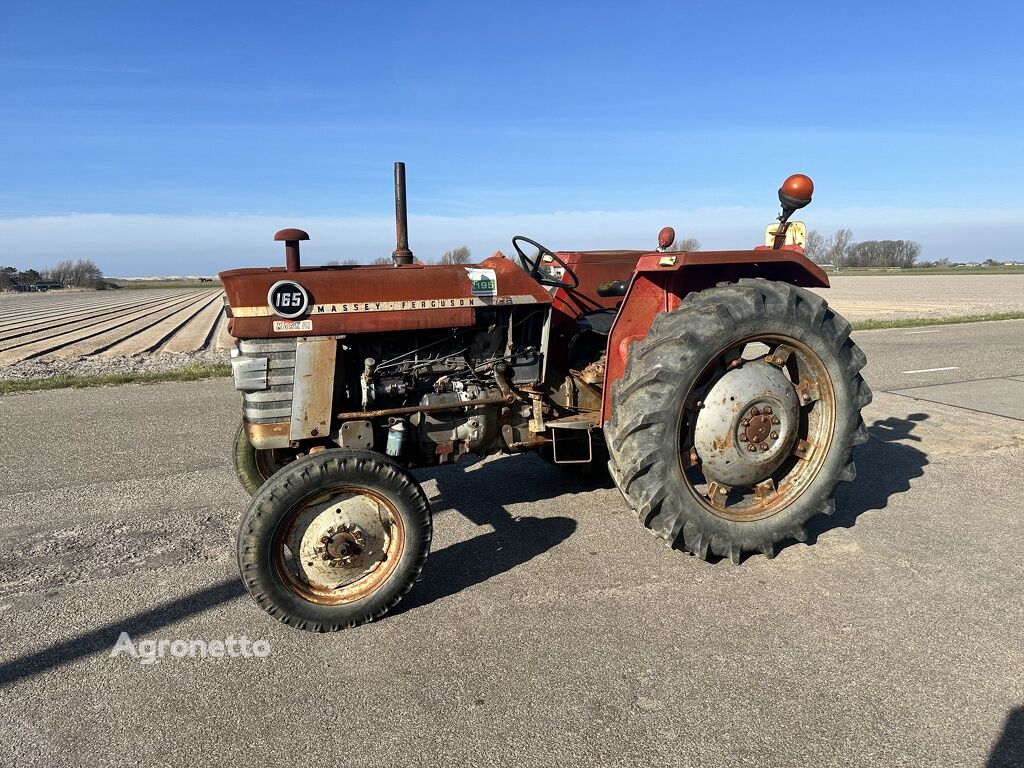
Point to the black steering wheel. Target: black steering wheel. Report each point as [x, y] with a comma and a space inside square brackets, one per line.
[535, 269]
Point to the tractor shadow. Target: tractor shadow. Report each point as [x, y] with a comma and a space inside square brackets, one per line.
[1008, 751]
[885, 466]
[101, 639]
[480, 491]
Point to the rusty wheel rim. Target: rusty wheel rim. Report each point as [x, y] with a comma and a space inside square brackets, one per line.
[340, 546]
[790, 442]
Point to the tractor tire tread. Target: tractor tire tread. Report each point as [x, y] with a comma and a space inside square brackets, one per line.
[300, 479]
[645, 407]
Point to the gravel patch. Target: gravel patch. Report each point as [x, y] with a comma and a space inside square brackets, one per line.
[86, 366]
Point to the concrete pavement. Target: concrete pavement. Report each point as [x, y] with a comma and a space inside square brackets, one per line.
[549, 627]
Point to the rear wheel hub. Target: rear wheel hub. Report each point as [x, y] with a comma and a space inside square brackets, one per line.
[747, 425]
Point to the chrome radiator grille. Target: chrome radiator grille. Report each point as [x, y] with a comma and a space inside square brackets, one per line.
[274, 402]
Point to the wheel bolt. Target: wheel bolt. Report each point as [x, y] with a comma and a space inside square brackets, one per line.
[745, 423]
[752, 447]
[764, 446]
[774, 435]
[754, 411]
[768, 410]
[743, 438]
[775, 419]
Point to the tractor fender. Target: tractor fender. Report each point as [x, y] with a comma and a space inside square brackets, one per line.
[661, 280]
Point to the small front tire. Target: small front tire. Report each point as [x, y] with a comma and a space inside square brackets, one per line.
[334, 539]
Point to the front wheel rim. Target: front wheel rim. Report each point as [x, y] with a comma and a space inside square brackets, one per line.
[740, 462]
[340, 546]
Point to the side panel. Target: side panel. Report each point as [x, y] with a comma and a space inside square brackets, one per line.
[663, 279]
[313, 390]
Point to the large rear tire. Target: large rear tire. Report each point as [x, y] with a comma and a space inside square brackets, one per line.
[736, 418]
[334, 539]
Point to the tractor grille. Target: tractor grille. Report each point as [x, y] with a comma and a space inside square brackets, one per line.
[275, 402]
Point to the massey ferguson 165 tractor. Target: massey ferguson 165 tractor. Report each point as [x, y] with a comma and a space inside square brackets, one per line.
[724, 396]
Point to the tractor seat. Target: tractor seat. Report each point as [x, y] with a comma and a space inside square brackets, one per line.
[599, 321]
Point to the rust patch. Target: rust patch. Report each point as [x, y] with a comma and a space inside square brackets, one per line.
[265, 436]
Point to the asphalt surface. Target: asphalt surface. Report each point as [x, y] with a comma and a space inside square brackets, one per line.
[549, 628]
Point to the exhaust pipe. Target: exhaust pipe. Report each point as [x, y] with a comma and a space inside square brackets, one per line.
[401, 254]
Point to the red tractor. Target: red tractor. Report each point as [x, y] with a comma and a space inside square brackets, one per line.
[724, 397]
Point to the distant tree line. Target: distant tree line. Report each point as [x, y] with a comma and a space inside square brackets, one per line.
[82, 273]
[840, 250]
[685, 245]
[463, 255]
[460, 255]
[11, 277]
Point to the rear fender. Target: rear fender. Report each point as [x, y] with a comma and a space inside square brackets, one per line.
[662, 280]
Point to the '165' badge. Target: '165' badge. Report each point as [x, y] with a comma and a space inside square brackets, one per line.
[287, 299]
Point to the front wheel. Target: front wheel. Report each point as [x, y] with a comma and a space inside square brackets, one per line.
[334, 539]
[736, 418]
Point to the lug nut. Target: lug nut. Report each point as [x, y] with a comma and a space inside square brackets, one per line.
[774, 435]
[743, 438]
[764, 446]
[752, 447]
[768, 410]
[775, 419]
[754, 411]
[745, 423]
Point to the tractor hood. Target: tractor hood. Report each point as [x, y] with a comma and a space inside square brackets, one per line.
[363, 299]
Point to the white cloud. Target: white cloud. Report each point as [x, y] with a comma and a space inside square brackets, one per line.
[128, 245]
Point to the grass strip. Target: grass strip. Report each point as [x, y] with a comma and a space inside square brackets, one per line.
[897, 272]
[918, 322]
[193, 372]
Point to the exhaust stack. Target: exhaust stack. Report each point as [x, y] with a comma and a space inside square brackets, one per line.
[401, 254]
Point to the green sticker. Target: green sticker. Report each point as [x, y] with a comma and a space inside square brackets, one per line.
[483, 282]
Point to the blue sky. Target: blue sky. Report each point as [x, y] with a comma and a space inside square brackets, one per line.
[177, 137]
